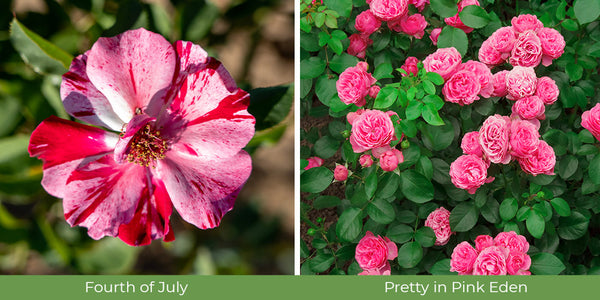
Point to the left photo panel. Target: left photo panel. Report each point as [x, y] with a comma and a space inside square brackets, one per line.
[147, 137]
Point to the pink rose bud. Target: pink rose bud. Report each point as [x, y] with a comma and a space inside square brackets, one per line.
[374, 91]
[314, 162]
[468, 172]
[590, 120]
[340, 173]
[410, 66]
[439, 221]
[547, 90]
[388, 161]
[413, 25]
[365, 160]
[358, 45]
[435, 34]
[542, 161]
[372, 254]
[553, 45]
[354, 83]
[367, 23]
[443, 61]
[483, 241]
[462, 259]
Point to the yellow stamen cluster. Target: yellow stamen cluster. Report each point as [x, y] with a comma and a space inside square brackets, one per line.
[147, 146]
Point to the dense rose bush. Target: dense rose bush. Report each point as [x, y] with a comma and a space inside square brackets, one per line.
[475, 149]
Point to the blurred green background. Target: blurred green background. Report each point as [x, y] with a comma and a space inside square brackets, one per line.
[253, 39]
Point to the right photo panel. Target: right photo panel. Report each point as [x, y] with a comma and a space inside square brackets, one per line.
[449, 137]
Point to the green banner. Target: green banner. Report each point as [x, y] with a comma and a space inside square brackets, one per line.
[297, 287]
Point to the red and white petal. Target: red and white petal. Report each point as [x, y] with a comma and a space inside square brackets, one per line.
[102, 195]
[132, 69]
[201, 190]
[151, 218]
[83, 101]
[63, 145]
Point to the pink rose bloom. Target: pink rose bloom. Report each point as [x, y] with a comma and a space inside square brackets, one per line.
[523, 23]
[352, 116]
[494, 139]
[521, 82]
[413, 25]
[490, 56]
[443, 61]
[419, 4]
[462, 259]
[374, 91]
[358, 45]
[435, 34]
[528, 108]
[470, 144]
[500, 89]
[462, 88]
[365, 160]
[503, 40]
[547, 90]
[372, 254]
[590, 120]
[512, 241]
[389, 160]
[410, 66]
[367, 23]
[542, 161]
[182, 121]
[340, 173]
[527, 51]
[314, 162]
[483, 241]
[353, 84]
[468, 172]
[439, 221]
[491, 261]
[371, 129]
[484, 76]
[388, 10]
[518, 263]
[524, 138]
[553, 45]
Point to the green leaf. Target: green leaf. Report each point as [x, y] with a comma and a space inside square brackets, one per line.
[43, 56]
[410, 254]
[270, 106]
[441, 267]
[535, 224]
[343, 7]
[567, 166]
[319, 18]
[305, 25]
[312, 67]
[561, 10]
[336, 105]
[572, 227]
[438, 137]
[349, 224]
[570, 25]
[322, 262]
[414, 110]
[400, 233]
[331, 22]
[336, 46]
[490, 210]
[381, 211]
[453, 37]
[436, 78]
[463, 217]
[387, 185]
[13, 147]
[318, 243]
[326, 201]
[561, 206]
[545, 264]
[383, 70]
[338, 35]
[431, 115]
[315, 180]
[326, 147]
[586, 11]
[508, 208]
[339, 63]
[425, 167]
[444, 8]
[386, 97]
[434, 100]
[429, 87]
[415, 186]
[425, 236]
[441, 171]
[574, 71]
[371, 184]
[325, 89]
[594, 169]
[474, 16]
[409, 128]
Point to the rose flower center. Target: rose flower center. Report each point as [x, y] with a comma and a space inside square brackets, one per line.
[146, 146]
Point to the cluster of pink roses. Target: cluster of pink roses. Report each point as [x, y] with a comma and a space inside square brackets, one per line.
[526, 43]
[395, 13]
[501, 140]
[373, 254]
[439, 221]
[373, 130]
[590, 120]
[502, 255]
